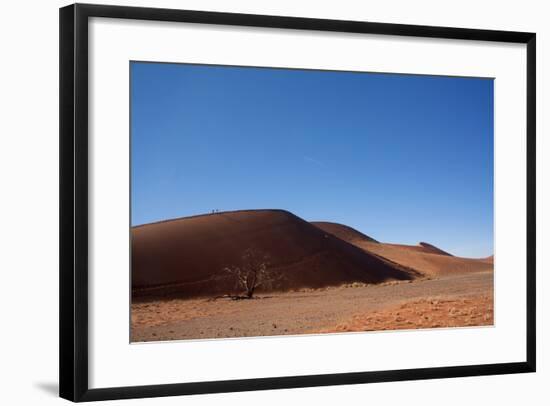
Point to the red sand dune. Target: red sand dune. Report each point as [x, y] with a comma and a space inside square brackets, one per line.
[426, 259]
[182, 256]
[343, 232]
[423, 247]
[432, 249]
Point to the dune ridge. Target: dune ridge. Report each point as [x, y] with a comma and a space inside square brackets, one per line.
[342, 231]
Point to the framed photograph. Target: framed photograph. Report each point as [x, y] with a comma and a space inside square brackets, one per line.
[257, 202]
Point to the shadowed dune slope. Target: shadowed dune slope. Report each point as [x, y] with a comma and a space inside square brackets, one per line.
[343, 232]
[182, 256]
[425, 260]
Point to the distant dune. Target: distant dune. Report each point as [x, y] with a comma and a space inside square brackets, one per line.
[422, 247]
[432, 249]
[183, 256]
[343, 232]
[426, 258]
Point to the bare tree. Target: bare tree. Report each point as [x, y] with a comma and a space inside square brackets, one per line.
[253, 273]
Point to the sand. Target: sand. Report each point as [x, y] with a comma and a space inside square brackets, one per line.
[428, 263]
[316, 310]
[432, 312]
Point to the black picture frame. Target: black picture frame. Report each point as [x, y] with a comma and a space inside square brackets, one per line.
[73, 280]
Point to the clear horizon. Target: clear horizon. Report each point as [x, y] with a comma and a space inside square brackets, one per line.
[401, 158]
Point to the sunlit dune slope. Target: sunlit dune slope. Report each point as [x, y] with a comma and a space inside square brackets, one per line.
[426, 260]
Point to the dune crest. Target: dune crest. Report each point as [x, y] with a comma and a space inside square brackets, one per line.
[432, 249]
[342, 231]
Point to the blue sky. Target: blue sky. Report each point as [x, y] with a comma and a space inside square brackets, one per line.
[402, 158]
